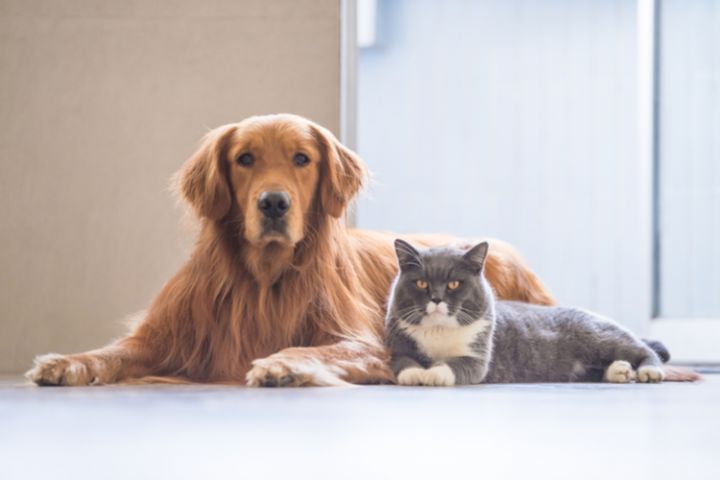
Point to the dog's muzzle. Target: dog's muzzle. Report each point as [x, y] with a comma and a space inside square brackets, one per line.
[274, 207]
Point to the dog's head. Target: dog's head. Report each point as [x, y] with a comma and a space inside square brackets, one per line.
[271, 172]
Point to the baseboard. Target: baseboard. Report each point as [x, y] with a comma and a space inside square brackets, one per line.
[690, 340]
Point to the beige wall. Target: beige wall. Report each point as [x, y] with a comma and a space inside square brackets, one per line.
[100, 102]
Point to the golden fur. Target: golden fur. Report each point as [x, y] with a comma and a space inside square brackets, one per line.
[303, 307]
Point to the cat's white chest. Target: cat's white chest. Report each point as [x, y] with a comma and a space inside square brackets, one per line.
[440, 342]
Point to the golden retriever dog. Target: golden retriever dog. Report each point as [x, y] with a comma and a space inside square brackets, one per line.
[278, 290]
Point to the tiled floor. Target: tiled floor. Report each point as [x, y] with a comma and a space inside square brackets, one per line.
[577, 431]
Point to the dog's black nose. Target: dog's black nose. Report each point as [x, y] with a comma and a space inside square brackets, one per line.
[274, 204]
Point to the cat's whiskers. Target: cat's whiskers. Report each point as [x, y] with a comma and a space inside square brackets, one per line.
[406, 313]
[470, 313]
[406, 310]
[466, 316]
[409, 315]
[403, 310]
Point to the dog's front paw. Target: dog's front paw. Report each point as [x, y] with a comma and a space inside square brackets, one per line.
[287, 370]
[619, 371]
[54, 369]
[650, 374]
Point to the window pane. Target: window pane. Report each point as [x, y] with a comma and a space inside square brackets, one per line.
[516, 120]
[689, 158]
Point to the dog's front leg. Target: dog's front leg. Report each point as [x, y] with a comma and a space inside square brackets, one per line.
[126, 358]
[342, 363]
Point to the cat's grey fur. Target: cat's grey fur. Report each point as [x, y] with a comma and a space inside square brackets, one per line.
[471, 337]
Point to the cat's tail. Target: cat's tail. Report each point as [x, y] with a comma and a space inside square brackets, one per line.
[673, 373]
[658, 347]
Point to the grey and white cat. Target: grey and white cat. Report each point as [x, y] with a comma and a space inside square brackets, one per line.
[444, 327]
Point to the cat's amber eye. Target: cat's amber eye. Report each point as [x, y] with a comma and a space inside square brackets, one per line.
[421, 284]
[453, 285]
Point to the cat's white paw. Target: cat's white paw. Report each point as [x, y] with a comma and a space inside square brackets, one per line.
[619, 371]
[439, 376]
[412, 376]
[650, 374]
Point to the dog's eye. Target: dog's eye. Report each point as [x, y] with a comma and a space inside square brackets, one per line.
[421, 284]
[300, 159]
[453, 285]
[246, 159]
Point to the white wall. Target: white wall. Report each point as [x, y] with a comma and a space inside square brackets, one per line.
[514, 119]
[100, 102]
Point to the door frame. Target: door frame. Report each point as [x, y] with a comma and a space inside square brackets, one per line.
[691, 340]
[348, 84]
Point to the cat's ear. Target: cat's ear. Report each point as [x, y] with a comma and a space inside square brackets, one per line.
[476, 256]
[406, 254]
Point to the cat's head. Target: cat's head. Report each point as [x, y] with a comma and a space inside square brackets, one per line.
[440, 286]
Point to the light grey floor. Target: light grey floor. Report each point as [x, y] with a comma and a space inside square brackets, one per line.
[486, 432]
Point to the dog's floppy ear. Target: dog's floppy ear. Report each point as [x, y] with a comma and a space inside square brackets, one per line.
[201, 181]
[342, 173]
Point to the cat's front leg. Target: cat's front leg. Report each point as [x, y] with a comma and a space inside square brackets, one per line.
[407, 370]
[468, 370]
[454, 371]
[439, 375]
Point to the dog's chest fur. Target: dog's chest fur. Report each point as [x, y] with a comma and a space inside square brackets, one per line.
[440, 342]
